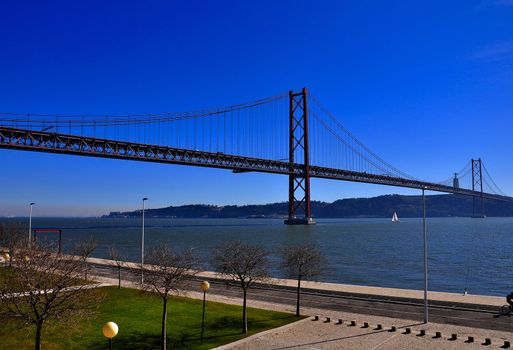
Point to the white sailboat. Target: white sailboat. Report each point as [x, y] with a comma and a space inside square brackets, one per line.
[395, 218]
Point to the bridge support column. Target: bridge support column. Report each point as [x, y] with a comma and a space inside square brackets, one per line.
[300, 211]
[478, 210]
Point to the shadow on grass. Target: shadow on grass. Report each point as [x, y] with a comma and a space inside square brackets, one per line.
[236, 322]
[274, 319]
[140, 341]
[232, 323]
[224, 327]
[226, 322]
[143, 341]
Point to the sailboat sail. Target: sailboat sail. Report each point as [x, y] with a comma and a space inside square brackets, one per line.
[395, 218]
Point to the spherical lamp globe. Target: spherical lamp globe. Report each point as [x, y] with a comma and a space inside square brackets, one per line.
[110, 330]
[205, 286]
[6, 256]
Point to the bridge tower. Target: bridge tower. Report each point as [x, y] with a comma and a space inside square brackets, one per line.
[456, 181]
[300, 211]
[477, 185]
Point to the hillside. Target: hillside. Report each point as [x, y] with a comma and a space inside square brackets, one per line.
[382, 206]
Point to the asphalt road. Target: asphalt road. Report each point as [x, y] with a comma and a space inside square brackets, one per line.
[469, 315]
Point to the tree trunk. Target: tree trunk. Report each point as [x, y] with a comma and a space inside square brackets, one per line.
[298, 293]
[163, 334]
[39, 330]
[244, 314]
[119, 277]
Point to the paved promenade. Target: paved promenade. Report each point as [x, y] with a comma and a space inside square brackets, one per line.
[309, 334]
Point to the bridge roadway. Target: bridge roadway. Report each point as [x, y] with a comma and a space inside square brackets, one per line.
[461, 314]
[41, 141]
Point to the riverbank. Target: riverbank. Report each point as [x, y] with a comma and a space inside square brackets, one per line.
[462, 300]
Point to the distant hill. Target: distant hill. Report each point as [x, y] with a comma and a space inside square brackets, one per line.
[383, 206]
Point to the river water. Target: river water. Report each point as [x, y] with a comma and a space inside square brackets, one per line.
[476, 254]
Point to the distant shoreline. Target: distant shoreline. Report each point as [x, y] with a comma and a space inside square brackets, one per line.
[444, 205]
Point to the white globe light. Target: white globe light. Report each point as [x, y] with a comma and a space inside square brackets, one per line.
[110, 330]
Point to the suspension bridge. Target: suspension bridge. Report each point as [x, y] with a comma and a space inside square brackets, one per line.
[291, 134]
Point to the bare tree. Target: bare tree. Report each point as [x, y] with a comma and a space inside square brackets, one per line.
[165, 273]
[45, 286]
[11, 235]
[301, 261]
[119, 260]
[244, 264]
[84, 249]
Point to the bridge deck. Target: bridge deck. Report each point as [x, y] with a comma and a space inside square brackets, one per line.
[40, 141]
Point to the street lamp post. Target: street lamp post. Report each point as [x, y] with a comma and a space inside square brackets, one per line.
[424, 229]
[6, 257]
[30, 225]
[205, 286]
[142, 242]
[110, 330]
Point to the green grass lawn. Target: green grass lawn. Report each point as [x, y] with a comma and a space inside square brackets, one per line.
[138, 316]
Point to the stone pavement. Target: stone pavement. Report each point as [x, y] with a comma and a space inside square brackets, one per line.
[320, 334]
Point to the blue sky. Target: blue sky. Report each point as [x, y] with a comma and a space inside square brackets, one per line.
[426, 85]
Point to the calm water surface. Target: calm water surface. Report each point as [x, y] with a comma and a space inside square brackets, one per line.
[463, 253]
